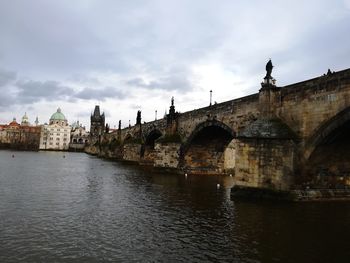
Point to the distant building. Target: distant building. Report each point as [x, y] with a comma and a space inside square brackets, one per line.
[25, 120]
[79, 137]
[97, 123]
[20, 136]
[55, 135]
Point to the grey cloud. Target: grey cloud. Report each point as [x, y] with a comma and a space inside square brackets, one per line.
[6, 99]
[30, 91]
[170, 82]
[99, 94]
[6, 77]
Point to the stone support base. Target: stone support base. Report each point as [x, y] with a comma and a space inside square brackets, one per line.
[167, 155]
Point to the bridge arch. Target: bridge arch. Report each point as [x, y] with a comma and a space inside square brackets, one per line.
[327, 152]
[209, 149]
[128, 138]
[148, 149]
[151, 137]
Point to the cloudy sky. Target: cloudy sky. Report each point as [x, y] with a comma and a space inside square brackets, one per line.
[131, 55]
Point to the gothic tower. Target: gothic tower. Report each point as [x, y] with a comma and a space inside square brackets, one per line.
[97, 122]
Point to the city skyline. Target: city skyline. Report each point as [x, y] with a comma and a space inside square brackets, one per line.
[135, 56]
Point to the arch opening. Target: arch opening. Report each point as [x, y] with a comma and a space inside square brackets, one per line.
[128, 138]
[328, 166]
[148, 151]
[151, 138]
[210, 150]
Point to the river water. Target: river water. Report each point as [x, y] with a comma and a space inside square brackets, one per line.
[72, 207]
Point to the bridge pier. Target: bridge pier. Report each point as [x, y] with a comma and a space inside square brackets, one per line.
[167, 155]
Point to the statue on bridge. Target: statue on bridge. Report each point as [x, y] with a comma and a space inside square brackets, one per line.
[138, 118]
[269, 67]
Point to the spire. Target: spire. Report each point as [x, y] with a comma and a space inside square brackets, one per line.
[97, 111]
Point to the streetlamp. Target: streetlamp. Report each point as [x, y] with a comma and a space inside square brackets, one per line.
[211, 94]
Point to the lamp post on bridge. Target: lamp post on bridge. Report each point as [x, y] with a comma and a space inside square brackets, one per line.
[211, 95]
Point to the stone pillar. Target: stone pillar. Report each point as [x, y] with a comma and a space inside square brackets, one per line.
[269, 98]
[266, 149]
[168, 146]
[167, 154]
[266, 156]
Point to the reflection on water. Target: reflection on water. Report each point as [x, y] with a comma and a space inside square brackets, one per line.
[83, 209]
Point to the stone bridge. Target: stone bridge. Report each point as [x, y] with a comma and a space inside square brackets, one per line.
[280, 138]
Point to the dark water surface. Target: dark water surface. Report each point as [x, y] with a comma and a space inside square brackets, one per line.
[84, 209]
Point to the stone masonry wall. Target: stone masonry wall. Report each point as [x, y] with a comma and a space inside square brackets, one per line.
[264, 163]
[132, 152]
[167, 155]
[305, 106]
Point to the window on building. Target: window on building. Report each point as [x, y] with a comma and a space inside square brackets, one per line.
[57, 139]
[57, 143]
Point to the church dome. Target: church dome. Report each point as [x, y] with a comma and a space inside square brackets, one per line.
[58, 116]
[25, 120]
[14, 123]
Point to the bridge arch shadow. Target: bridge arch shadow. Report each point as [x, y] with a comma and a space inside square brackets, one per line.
[210, 149]
[327, 153]
[128, 138]
[148, 148]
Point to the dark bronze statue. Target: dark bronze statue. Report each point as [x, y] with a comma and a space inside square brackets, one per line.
[138, 118]
[269, 67]
[120, 125]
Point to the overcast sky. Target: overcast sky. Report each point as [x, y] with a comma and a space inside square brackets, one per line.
[135, 55]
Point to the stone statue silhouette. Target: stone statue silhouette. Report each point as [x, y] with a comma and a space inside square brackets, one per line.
[138, 117]
[269, 67]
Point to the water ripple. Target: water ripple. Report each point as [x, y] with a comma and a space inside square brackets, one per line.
[83, 209]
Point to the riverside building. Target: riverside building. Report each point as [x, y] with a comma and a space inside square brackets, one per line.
[55, 135]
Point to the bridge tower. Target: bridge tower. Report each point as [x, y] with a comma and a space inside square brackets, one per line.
[97, 123]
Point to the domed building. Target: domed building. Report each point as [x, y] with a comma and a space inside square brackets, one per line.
[20, 136]
[14, 123]
[58, 118]
[56, 135]
[25, 120]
